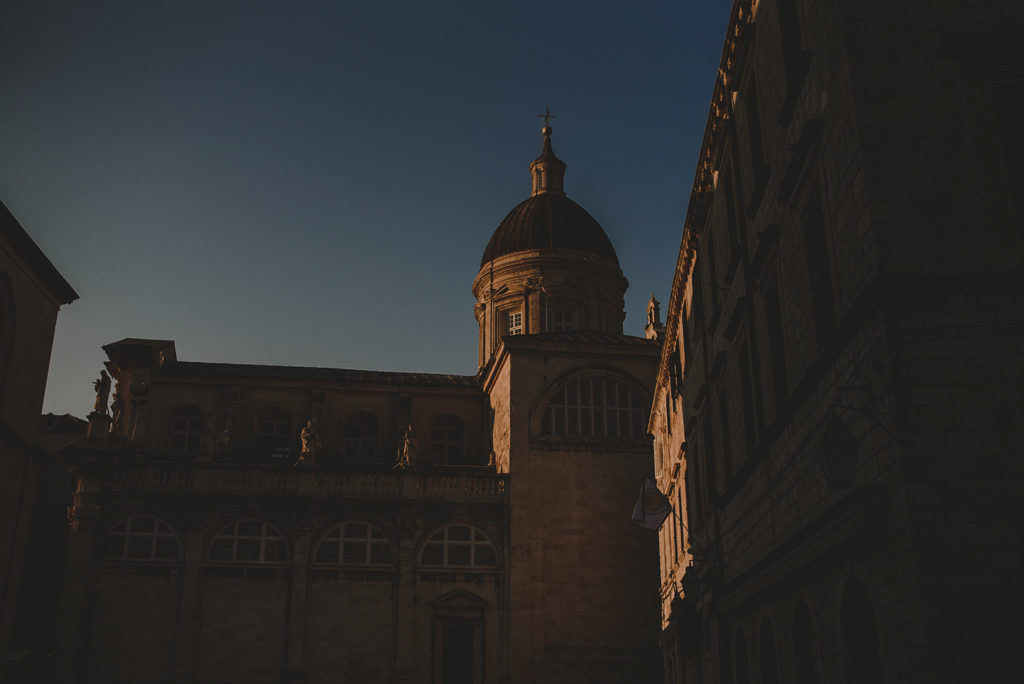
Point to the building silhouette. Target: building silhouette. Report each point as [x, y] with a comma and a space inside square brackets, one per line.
[31, 293]
[838, 415]
[243, 523]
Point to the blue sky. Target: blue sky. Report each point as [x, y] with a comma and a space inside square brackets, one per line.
[313, 183]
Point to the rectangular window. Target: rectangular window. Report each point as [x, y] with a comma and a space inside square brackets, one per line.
[789, 29]
[710, 474]
[819, 272]
[709, 245]
[678, 513]
[730, 216]
[776, 343]
[723, 415]
[562, 320]
[747, 389]
[696, 299]
[753, 116]
[694, 493]
[514, 323]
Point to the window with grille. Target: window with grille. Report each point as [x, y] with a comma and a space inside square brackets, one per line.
[514, 323]
[459, 546]
[448, 440]
[359, 436]
[562, 320]
[249, 541]
[186, 429]
[141, 538]
[274, 429]
[595, 407]
[355, 543]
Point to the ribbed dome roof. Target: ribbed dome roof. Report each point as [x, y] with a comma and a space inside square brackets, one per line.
[549, 220]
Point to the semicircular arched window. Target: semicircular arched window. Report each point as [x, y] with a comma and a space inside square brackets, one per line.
[595, 406]
[249, 541]
[354, 543]
[359, 436]
[459, 546]
[186, 429]
[141, 538]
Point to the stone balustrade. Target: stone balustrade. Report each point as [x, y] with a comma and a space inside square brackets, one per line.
[464, 485]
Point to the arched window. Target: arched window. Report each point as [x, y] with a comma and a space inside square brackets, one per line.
[274, 430]
[186, 429]
[769, 659]
[359, 436]
[249, 541]
[805, 647]
[595, 406]
[860, 637]
[448, 440]
[742, 662]
[354, 543]
[459, 546]
[141, 538]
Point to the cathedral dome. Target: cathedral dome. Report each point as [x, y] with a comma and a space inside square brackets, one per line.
[549, 219]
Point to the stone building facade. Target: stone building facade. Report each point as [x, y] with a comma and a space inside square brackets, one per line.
[838, 415]
[31, 293]
[237, 523]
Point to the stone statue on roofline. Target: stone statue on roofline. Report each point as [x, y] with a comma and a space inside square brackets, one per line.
[117, 409]
[410, 446]
[310, 437]
[102, 387]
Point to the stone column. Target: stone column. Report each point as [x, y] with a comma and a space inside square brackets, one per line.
[183, 667]
[69, 659]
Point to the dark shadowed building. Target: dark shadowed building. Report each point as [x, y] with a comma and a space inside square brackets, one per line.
[839, 406]
[242, 523]
[31, 292]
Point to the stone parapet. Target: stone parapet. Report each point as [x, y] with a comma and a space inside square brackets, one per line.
[245, 480]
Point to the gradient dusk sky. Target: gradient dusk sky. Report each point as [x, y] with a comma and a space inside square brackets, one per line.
[313, 183]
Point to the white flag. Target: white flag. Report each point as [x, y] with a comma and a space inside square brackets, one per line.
[652, 507]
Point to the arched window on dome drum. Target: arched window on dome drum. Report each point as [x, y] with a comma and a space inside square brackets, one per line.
[186, 429]
[595, 406]
[459, 546]
[354, 543]
[141, 538]
[359, 436]
[249, 541]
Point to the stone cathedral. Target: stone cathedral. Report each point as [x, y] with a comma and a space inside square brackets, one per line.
[251, 523]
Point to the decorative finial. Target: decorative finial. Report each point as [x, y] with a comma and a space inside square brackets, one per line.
[547, 116]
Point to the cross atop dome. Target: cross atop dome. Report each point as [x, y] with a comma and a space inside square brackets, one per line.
[547, 116]
[547, 170]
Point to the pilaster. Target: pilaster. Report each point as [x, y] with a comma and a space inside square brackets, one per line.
[189, 606]
[69, 660]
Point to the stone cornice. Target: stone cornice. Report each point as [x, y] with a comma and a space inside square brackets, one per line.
[719, 115]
